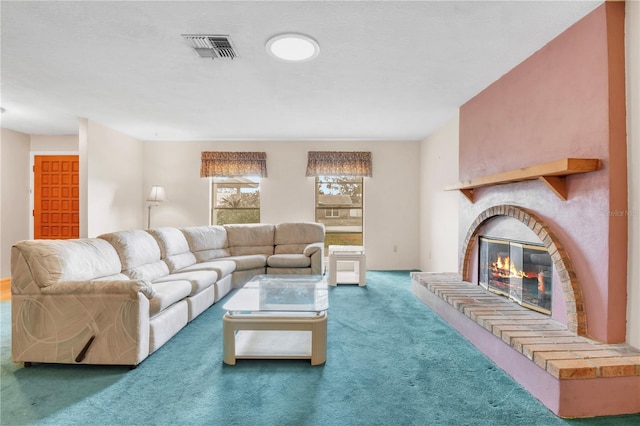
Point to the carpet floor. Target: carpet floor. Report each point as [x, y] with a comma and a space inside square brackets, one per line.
[390, 361]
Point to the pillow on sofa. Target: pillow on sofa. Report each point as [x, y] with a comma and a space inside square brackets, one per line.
[174, 248]
[139, 254]
[53, 261]
[250, 238]
[292, 238]
[207, 242]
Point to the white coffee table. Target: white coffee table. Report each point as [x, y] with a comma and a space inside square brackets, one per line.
[277, 317]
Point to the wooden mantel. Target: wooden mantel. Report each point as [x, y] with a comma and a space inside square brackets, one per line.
[552, 174]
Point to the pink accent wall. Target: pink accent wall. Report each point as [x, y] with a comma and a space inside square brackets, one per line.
[566, 100]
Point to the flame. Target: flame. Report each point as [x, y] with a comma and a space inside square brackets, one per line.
[542, 288]
[514, 272]
[504, 268]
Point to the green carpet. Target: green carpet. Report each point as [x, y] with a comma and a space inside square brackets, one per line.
[390, 361]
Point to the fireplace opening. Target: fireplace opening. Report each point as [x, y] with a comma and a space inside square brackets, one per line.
[520, 271]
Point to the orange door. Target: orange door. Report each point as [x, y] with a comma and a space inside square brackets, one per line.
[56, 197]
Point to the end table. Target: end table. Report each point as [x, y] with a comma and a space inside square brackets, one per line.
[354, 254]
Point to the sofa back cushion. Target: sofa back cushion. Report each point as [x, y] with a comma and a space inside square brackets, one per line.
[48, 262]
[250, 238]
[174, 248]
[139, 254]
[292, 238]
[207, 242]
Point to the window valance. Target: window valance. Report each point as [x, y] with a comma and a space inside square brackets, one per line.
[339, 163]
[233, 164]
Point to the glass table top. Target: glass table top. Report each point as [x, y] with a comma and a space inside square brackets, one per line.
[282, 293]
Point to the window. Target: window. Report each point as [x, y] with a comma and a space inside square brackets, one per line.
[331, 213]
[235, 185]
[339, 191]
[339, 206]
[235, 200]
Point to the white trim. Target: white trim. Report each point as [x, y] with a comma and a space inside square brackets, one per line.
[210, 189]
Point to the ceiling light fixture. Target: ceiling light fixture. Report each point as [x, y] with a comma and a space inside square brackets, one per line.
[293, 47]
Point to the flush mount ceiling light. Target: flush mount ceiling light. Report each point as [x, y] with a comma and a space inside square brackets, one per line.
[293, 47]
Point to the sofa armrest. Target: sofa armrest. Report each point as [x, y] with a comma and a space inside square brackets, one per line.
[88, 322]
[93, 287]
[312, 248]
[316, 252]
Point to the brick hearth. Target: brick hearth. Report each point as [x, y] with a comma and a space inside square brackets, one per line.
[545, 343]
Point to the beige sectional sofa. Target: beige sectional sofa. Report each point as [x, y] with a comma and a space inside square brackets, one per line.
[118, 298]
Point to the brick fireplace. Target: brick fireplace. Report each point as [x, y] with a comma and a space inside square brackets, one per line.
[574, 318]
[567, 100]
[558, 104]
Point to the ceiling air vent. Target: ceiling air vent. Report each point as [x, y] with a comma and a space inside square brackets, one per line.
[211, 46]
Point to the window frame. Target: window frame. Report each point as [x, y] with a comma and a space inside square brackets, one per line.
[215, 209]
[332, 237]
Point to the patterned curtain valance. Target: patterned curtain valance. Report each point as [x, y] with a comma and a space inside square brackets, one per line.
[339, 163]
[233, 164]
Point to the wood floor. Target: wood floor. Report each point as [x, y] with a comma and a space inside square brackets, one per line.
[5, 289]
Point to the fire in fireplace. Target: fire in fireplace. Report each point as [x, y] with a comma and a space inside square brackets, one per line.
[520, 271]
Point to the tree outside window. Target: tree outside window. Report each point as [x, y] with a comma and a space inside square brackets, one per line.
[235, 200]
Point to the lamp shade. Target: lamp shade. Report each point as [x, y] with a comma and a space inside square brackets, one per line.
[157, 194]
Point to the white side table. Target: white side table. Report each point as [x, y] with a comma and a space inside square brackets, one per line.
[353, 254]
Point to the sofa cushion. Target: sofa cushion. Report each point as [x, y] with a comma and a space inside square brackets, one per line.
[166, 294]
[139, 254]
[174, 248]
[223, 267]
[247, 262]
[206, 242]
[289, 261]
[250, 238]
[53, 261]
[289, 271]
[199, 280]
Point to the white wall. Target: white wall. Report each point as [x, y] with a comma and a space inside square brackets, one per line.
[439, 208]
[17, 152]
[391, 196]
[67, 143]
[14, 194]
[83, 147]
[111, 167]
[632, 25]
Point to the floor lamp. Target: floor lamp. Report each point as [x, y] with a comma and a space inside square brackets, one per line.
[156, 196]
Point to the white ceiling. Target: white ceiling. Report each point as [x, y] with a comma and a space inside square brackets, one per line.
[387, 70]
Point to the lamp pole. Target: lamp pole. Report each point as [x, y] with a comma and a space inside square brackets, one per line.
[156, 196]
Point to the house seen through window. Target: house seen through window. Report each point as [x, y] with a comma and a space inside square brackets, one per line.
[235, 200]
[340, 206]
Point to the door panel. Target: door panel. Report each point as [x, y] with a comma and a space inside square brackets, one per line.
[56, 197]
